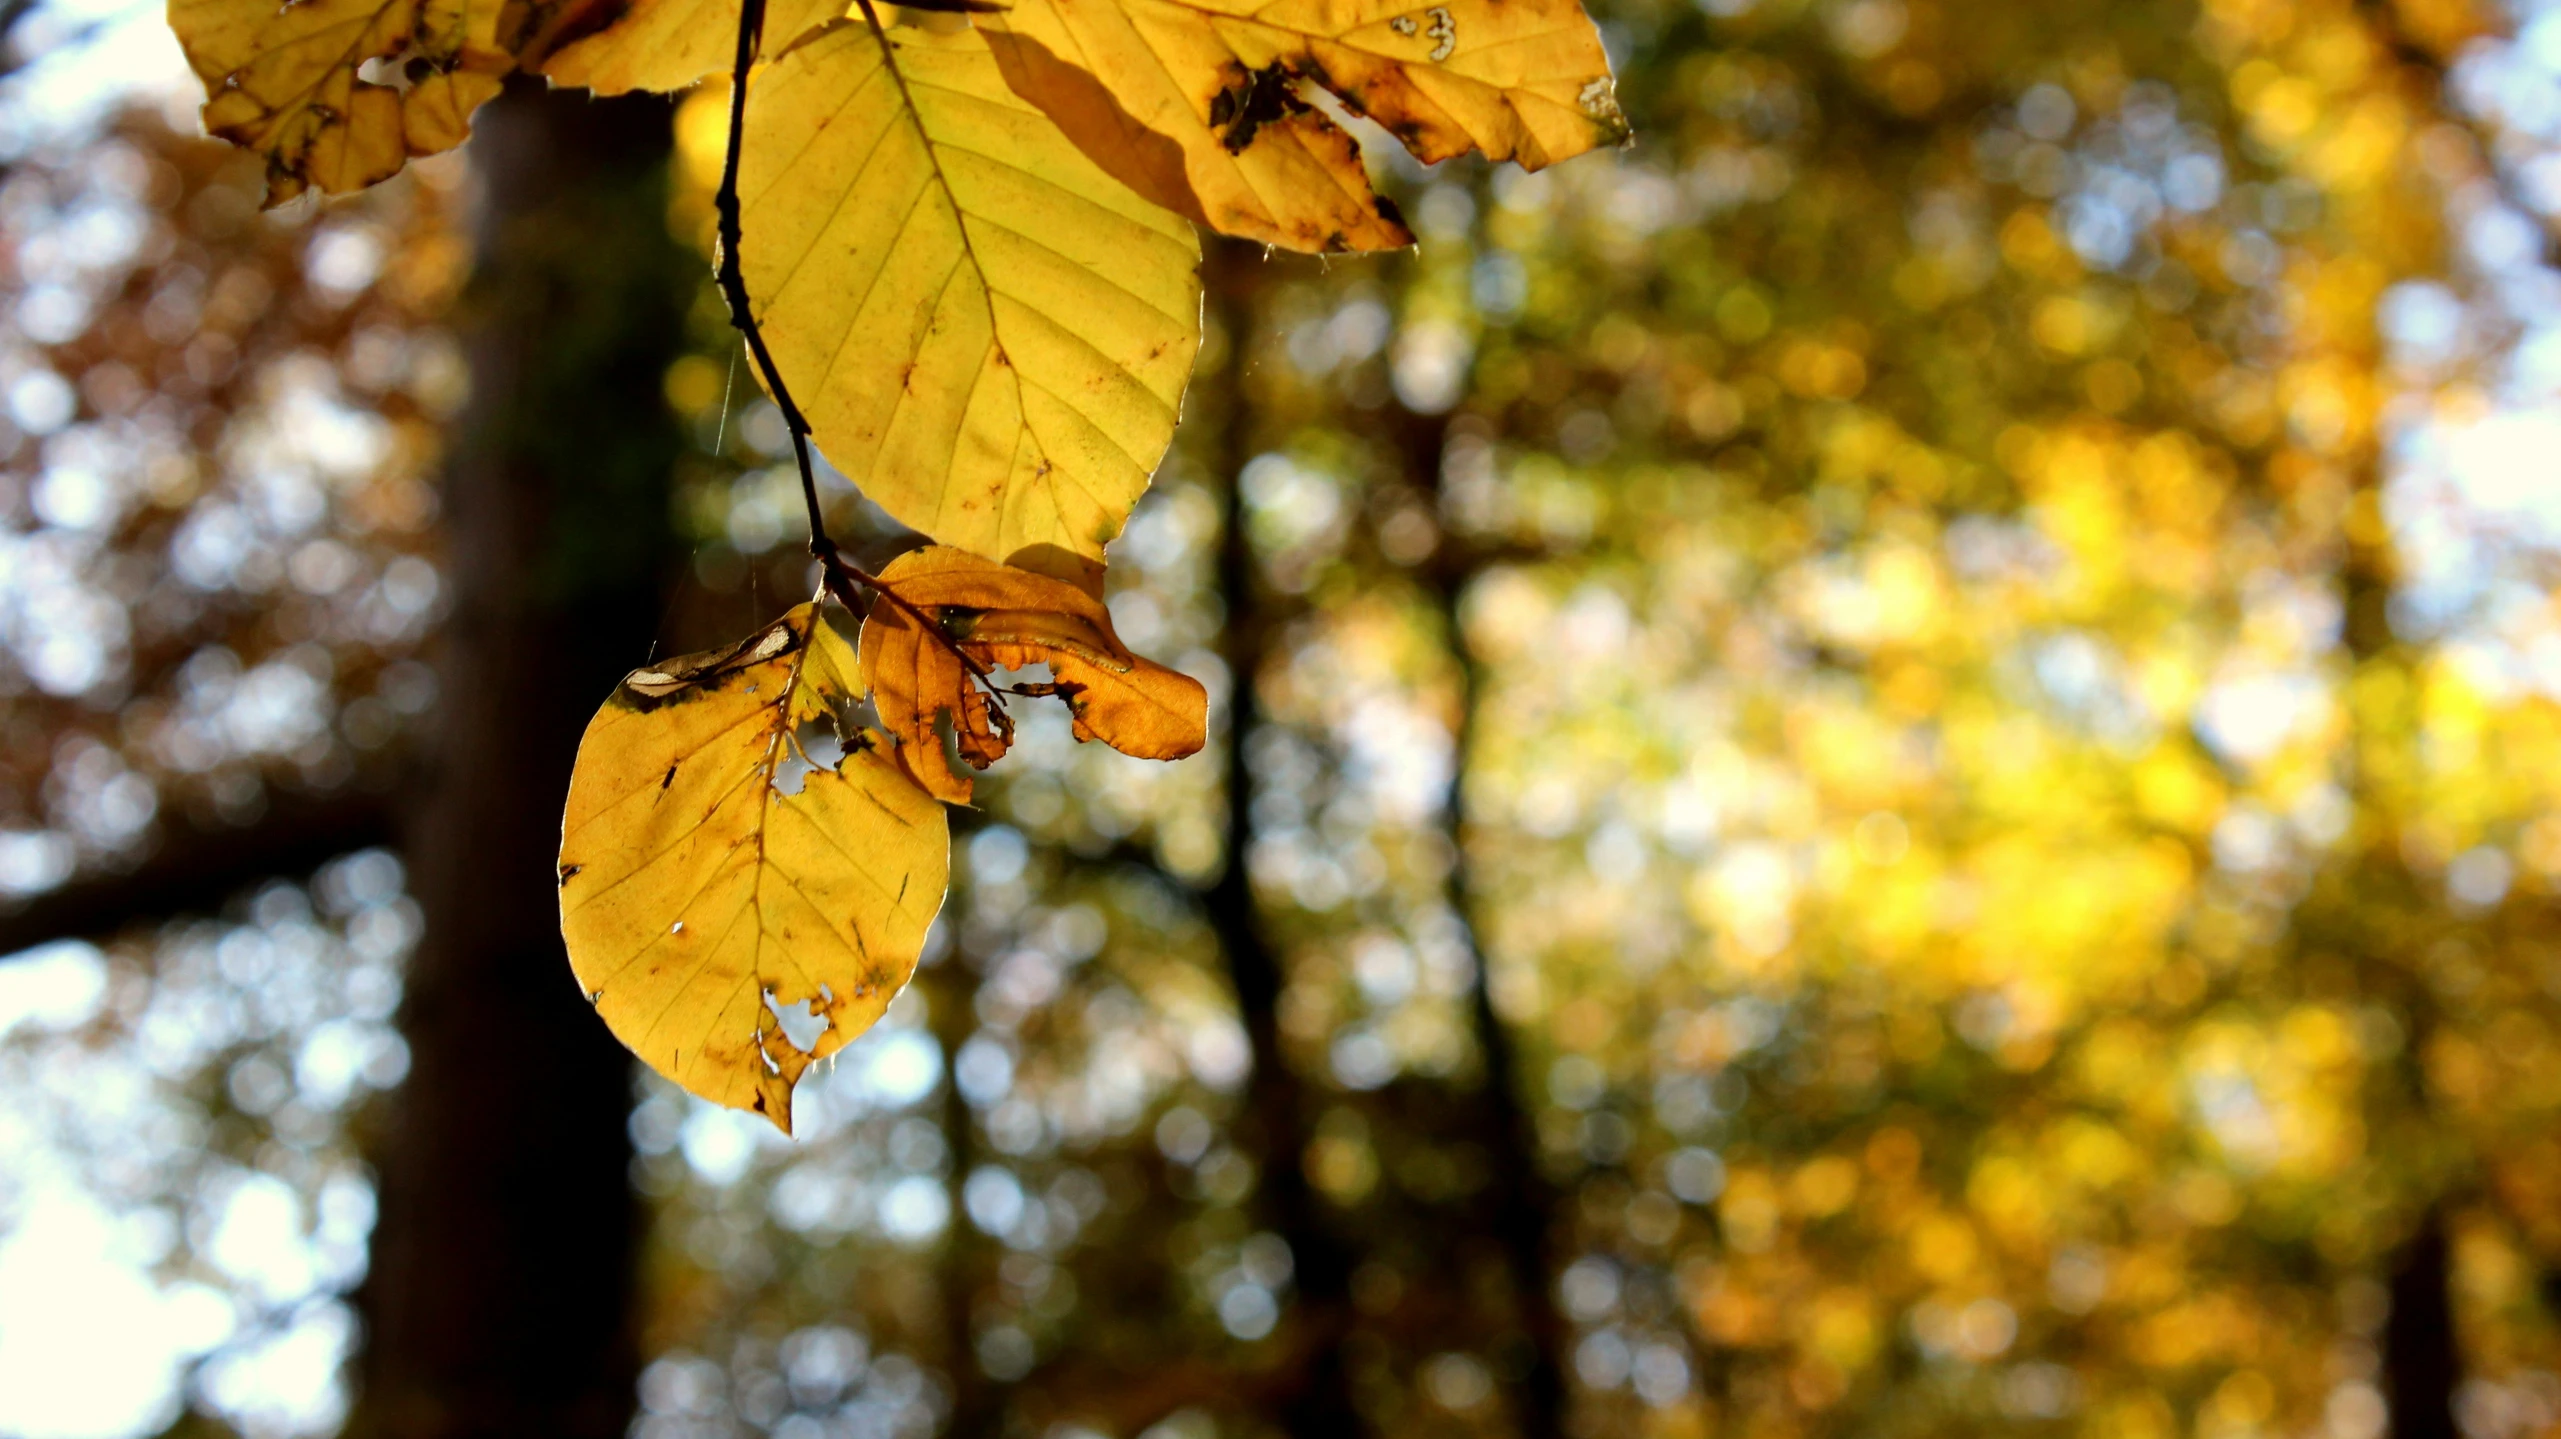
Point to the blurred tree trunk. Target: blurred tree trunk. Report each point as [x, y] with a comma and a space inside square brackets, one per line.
[1319, 1405]
[978, 1401]
[2422, 1366]
[1520, 1206]
[1513, 1214]
[499, 1300]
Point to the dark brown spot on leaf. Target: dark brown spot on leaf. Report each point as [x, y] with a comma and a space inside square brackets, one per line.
[1251, 100]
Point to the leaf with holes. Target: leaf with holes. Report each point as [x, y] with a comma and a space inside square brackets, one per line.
[1196, 104]
[287, 81]
[1007, 618]
[746, 873]
[989, 335]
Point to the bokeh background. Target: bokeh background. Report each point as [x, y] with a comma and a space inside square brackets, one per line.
[1888, 766]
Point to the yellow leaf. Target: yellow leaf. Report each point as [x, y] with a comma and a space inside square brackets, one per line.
[623, 45]
[1274, 169]
[988, 334]
[1008, 618]
[283, 80]
[719, 897]
[1521, 80]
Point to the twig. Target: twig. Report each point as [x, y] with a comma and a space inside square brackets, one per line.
[841, 574]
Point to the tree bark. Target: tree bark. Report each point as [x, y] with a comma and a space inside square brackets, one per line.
[2420, 1364]
[1320, 1405]
[978, 1401]
[499, 1300]
[1523, 1201]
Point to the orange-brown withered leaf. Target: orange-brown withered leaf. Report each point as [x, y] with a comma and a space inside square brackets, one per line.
[1284, 175]
[1194, 103]
[286, 82]
[1008, 618]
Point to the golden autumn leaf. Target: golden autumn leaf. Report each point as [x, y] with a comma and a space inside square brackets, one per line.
[1269, 167]
[616, 46]
[989, 335]
[721, 888]
[1009, 618]
[284, 81]
[1193, 102]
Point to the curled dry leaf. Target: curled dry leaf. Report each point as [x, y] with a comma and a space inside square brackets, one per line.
[339, 94]
[746, 873]
[1009, 618]
[989, 335]
[286, 82]
[1194, 103]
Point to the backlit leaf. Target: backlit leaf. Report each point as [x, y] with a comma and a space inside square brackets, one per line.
[989, 335]
[283, 80]
[623, 45]
[723, 887]
[1011, 619]
[1272, 169]
[1194, 103]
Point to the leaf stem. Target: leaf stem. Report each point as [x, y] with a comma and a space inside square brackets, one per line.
[841, 574]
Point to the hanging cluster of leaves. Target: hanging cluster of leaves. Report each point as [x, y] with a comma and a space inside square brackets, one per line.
[974, 263]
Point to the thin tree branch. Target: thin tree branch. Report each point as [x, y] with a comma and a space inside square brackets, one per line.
[733, 279]
[11, 12]
[196, 868]
[841, 574]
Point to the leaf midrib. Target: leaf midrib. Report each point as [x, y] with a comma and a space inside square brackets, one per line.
[942, 181]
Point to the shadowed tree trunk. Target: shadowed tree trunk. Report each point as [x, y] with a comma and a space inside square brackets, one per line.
[1522, 1201]
[2420, 1365]
[499, 1300]
[1514, 1215]
[1320, 1405]
[978, 1401]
